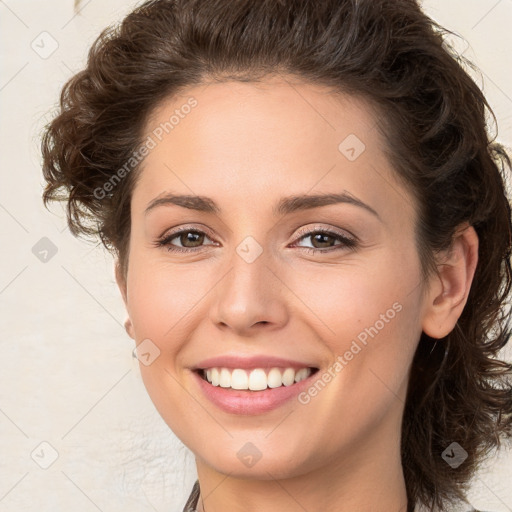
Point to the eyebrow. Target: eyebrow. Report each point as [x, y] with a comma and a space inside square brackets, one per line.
[285, 206]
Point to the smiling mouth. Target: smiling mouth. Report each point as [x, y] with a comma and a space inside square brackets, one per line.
[257, 379]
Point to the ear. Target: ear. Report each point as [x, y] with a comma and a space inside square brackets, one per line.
[449, 291]
[122, 285]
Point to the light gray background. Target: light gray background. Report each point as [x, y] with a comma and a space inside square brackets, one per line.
[67, 377]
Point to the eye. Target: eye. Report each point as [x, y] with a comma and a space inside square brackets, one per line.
[322, 238]
[190, 240]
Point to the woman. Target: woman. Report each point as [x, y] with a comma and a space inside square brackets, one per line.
[312, 240]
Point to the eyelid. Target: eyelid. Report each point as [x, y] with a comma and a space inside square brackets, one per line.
[324, 229]
[186, 227]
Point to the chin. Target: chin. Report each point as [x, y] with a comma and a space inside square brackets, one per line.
[246, 460]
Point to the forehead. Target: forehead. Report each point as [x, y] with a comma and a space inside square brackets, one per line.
[305, 116]
[253, 139]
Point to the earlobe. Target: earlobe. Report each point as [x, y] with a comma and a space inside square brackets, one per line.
[121, 283]
[128, 326]
[449, 290]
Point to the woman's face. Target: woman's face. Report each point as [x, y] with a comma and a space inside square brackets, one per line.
[246, 291]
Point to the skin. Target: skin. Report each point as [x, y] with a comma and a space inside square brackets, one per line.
[246, 146]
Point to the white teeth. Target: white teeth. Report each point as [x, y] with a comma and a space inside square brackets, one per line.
[239, 379]
[225, 378]
[274, 378]
[289, 376]
[255, 380]
[302, 374]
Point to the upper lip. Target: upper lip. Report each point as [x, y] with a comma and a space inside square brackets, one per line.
[260, 361]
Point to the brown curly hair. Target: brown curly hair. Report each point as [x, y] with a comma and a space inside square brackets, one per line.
[432, 116]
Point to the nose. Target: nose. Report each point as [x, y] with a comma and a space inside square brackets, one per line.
[250, 297]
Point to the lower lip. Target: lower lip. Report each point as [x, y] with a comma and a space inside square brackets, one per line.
[250, 402]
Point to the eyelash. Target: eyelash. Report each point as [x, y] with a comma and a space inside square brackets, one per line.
[346, 242]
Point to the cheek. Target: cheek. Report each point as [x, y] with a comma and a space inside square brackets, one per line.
[162, 297]
[356, 299]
